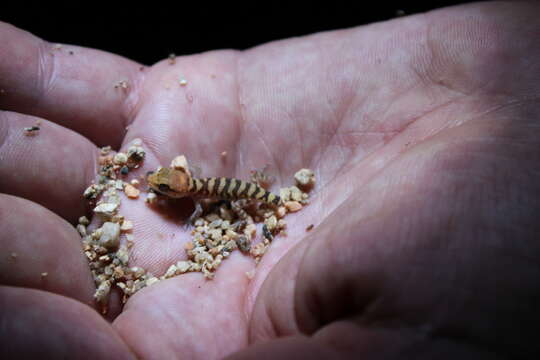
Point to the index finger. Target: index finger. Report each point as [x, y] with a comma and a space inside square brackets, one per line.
[86, 90]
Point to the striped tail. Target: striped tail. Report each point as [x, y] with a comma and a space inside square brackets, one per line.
[233, 189]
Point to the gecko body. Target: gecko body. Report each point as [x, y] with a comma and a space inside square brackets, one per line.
[176, 183]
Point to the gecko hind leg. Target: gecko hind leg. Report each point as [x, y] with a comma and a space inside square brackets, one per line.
[196, 214]
[237, 207]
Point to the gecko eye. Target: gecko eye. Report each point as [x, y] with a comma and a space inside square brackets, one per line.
[148, 173]
[164, 187]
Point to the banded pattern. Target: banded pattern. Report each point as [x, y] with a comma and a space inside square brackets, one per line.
[227, 188]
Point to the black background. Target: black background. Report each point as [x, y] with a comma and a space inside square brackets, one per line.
[151, 30]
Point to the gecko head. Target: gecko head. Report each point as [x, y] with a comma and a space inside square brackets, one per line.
[169, 182]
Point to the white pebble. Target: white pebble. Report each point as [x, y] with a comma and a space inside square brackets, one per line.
[152, 281]
[296, 193]
[271, 223]
[120, 158]
[110, 235]
[183, 266]
[305, 178]
[102, 291]
[106, 210]
[151, 198]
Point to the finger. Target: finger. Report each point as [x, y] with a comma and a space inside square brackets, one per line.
[224, 332]
[199, 119]
[51, 168]
[286, 348]
[42, 251]
[347, 341]
[75, 87]
[414, 259]
[341, 293]
[55, 326]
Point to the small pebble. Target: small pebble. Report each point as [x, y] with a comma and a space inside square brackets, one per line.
[120, 158]
[183, 266]
[81, 229]
[119, 185]
[271, 223]
[110, 235]
[136, 142]
[171, 271]
[281, 211]
[250, 231]
[215, 234]
[243, 243]
[105, 150]
[285, 194]
[123, 84]
[137, 271]
[126, 226]
[113, 198]
[230, 246]
[102, 292]
[104, 160]
[117, 219]
[250, 274]
[31, 131]
[216, 223]
[295, 193]
[152, 281]
[266, 233]
[151, 198]
[293, 206]
[106, 210]
[123, 255]
[258, 250]
[93, 191]
[131, 191]
[231, 234]
[136, 153]
[305, 179]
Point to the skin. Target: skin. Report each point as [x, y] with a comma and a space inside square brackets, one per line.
[422, 131]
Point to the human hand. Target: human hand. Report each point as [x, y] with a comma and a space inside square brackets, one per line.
[422, 133]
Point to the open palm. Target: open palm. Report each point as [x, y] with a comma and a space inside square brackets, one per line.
[422, 132]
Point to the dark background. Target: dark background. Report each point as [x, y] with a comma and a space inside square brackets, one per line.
[151, 30]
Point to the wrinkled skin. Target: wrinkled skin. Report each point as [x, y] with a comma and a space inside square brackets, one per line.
[423, 132]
